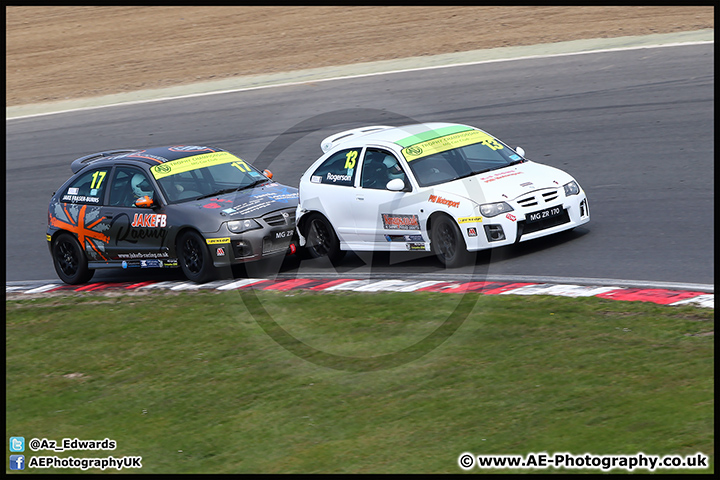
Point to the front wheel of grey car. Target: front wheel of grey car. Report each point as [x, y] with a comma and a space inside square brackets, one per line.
[194, 257]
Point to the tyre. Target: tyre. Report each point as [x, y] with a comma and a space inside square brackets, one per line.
[194, 257]
[448, 243]
[321, 240]
[70, 261]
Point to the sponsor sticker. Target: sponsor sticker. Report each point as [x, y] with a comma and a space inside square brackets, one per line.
[443, 201]
[220, 252]
[472, 232]
[470, 220]
[400, 222]
[152, 220]
[499, 176]
[151, 263]
[404, 238]
[213, 241]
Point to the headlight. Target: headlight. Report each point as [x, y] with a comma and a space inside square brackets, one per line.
[571, 188]
[240, 226]
[493, 209]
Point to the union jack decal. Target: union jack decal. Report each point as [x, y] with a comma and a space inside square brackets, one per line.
[89, 239]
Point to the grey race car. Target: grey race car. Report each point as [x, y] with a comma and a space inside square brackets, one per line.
[193, 207]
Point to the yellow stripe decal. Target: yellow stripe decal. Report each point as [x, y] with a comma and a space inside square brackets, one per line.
[197, 161]
[449, 142]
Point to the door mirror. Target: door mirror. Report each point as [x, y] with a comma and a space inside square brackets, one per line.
[395, 185]
[520, 151]
[268, 173]
[144, 202]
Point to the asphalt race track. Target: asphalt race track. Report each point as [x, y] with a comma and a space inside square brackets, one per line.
[634, 127]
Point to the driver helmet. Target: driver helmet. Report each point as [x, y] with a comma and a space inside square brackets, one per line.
[141, 186]
[393, 167]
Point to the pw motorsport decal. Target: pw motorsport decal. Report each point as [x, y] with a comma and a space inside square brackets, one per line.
[400, 222]
[86, 224]
[443, 201]
[443, 143]
[198, 161]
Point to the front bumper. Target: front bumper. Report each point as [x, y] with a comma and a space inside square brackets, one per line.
[527, 221]
[275, 237]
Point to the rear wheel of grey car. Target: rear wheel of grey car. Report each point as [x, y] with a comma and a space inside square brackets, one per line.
[194, 257]
[321, 240]
[448, 243]
[69, 260]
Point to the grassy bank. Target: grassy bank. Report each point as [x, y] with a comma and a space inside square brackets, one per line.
[207, 383]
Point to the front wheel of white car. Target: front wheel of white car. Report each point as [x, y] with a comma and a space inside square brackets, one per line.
[448, 243]
[321, 239]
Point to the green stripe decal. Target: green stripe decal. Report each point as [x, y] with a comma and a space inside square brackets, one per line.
[431, 135]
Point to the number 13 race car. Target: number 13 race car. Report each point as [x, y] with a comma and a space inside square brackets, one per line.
[193, 207]
[441, 187]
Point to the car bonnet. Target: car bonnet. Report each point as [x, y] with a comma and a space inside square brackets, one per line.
[249, 203]
[506, 183]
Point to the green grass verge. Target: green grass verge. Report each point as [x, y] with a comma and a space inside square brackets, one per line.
[194, 384]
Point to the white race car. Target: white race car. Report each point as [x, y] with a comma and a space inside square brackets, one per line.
[441, 187]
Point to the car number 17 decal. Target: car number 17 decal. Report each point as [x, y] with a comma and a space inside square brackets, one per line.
[98, 177]
[241, 165]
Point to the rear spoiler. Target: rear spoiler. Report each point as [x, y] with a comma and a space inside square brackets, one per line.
[82, 162]
[333, 140]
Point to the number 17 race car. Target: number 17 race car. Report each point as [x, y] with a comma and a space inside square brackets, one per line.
[193, 207]
[441, 187]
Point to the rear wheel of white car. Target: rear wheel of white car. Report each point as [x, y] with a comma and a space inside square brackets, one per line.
[321, 240]
[448, 243]
[194, 257]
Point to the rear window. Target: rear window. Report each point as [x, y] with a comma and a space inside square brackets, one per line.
[338, 169]
[88, 188]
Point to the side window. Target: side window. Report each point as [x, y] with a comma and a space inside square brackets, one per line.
[379, 167]
[87, 188]
[129, 184]
[338, 169]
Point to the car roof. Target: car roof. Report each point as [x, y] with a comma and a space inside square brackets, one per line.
[150, 156]
[402, 136]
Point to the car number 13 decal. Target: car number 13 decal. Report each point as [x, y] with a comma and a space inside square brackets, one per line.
[351, 159]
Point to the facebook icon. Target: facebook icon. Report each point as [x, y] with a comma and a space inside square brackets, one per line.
[17, 462]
